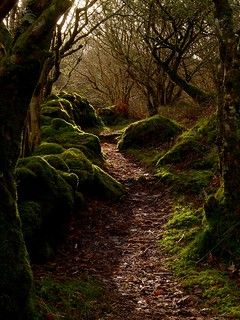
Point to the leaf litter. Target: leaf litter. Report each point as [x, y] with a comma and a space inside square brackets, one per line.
[116, 244]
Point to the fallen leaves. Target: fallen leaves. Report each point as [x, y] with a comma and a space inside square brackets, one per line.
[116, 244]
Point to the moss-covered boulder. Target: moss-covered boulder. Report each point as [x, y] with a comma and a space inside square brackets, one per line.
[50, 148]
[45, 197]
[149, 132]
[57, 162]
[195, 148]
[70, 136]
[193, 160]
[106, 186]
[58, 108]
[79, 164]
[83, 112]
[91, 178]
[55, 112]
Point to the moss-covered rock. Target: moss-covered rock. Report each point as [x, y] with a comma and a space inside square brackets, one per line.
[106, 186]
[46, 148]
[71, 178]
[195, 148]
[83, 113]
[79, 164]
[91, 179]
[70, 136]
[184, 151]
[58, 108]
[193, 160]
[55, 112]
[31, 218]
[149, 132]
[56, 162]
[46, 198]
[221, 235]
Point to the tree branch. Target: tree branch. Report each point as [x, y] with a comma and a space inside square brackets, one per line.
[5, 7]
[42, 27]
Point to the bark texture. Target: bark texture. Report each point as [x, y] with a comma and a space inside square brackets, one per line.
[229, 105]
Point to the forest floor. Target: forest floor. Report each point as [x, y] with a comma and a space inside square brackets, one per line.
[117, 245]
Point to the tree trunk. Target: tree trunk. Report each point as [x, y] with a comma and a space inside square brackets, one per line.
[152, 103]
[198, 95]
[223, 213]
[32, 131]
[16, 83]
[229, 106]
[19, 73]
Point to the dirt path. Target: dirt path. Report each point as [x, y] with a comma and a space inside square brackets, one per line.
[117, 244]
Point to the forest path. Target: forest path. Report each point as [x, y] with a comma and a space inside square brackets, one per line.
[116, 243]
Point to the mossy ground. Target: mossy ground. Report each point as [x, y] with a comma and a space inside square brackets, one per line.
[182, 241]
[71, 299]
[191, 164]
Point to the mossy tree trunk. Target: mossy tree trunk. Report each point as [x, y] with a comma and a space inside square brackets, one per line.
[229, 106]
[32, 128]
[20, 68]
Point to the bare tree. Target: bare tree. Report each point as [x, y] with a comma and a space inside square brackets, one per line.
[104, 79]
[69, 38]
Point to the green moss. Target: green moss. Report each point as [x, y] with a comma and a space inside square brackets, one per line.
[71, 299]
[79, 165]
[56, 162]
[182, 227]
[185, 238]
[191, 163]
[194, 148]
[31, 219]
[149, 132]
[55, 112]
[146, 156]
[48, 148]
[44, 196]
[183, 151]
[84, 114]
[185, 181]
[106, 186]
[16, 276]
[222, 238]
[45, 120]
[71, 178]
[70, 136]
[219, 292]
[56, 101]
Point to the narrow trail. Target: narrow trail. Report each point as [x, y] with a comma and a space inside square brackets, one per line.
[116, 243]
